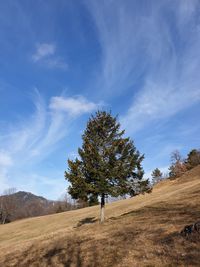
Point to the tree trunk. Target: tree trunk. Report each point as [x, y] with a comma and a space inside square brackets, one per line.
[102, 208]
[4, 217]
[4, 220]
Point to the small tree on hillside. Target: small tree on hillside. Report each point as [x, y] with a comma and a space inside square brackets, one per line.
[156, 176]
[193, 159]
[178, 166]
[109, 163]
[7, 206]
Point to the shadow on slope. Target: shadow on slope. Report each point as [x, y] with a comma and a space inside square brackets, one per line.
[145, 237]
[131, 240]
[87, 220]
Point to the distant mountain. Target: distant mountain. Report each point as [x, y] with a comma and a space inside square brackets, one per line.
[24, 198]
[25, 204]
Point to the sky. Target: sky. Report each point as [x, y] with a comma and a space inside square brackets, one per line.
[60, 61]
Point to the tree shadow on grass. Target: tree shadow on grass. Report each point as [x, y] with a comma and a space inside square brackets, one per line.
[177, 249]
[67, 255]
[164, 212]
[72, 255]
[87, 220]
[78, 251]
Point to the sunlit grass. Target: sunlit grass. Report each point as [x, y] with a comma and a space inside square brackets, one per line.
[142, 231]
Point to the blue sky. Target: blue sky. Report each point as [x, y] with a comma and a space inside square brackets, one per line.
[60, 61]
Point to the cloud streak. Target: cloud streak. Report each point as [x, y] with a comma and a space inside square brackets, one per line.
[73, 105]
[45, 54]
[5, 160]
[153, 52]
[42, 51]
[32, 140]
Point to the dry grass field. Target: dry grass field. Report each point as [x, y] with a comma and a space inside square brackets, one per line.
[142, 231]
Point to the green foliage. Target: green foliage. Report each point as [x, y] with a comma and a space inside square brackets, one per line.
[93, 200]
[144, 187]
[108, 163]
[156, 176]
[193, 159]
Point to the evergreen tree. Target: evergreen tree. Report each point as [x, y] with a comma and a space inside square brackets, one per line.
[193, 159]
[156, 176]
[108, 163]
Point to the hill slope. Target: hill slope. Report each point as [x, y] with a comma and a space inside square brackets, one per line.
[23, 204]
[142, 231]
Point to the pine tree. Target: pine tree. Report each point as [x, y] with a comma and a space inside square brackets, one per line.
[156, 176]
[108, 163]
[193, 159]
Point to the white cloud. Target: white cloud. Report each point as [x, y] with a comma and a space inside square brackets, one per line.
[51, 185]
[140, 48]
[56, 63]
[186, 10]
[5, 159]
[38, 135]
[45, 54]
[154, 103]
[73, 105]
[4, 184]
[30, 141]
[43, 50]
[73, 155]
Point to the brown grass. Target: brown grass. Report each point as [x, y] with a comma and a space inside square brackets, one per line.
[142, 231]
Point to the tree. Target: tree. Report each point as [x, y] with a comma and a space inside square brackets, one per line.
[193, 159]
[178, 166]
[108, 163]
[7, 206]
[156, 176]
[64, 203]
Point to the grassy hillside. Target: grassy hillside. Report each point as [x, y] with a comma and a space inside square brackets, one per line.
[22, 204]
[142, 231]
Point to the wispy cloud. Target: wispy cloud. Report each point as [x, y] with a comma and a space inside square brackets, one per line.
[46, 54]
[43, 50]
[33, 139]
[4, 180]
[5, 160]
[154, 52]
[5, 163]
[56, 63]
[72, 105]
[53, 183]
